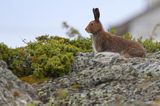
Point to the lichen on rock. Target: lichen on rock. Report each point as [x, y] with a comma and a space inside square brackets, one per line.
[108, 79]
[13, 92]
[103, 79]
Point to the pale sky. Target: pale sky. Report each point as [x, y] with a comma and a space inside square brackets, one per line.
[27, 19]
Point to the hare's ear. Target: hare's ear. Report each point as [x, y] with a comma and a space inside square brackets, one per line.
[96, 14]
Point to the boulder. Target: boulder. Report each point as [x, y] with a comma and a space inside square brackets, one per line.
[106, 79]
[13, 92]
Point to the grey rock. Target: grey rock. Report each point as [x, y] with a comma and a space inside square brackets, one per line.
[13, 92]
[106, 79]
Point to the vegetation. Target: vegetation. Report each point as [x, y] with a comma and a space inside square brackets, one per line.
[48, 56]
[149, 44]
[71, 31]
[52, 56]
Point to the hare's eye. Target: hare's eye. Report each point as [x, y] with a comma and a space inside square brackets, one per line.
[92, 24]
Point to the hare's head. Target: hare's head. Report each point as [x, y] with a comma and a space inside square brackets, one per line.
[95, 25]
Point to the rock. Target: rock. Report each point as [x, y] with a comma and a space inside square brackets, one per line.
[106, 79]
[13, 92]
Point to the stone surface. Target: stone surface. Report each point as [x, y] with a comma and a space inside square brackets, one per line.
[106, 79]
[13, 92]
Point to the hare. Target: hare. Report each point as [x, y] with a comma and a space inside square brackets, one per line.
[104, 41]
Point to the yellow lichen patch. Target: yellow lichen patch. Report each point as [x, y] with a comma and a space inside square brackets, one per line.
[146, 82]
[144, 85]
[75, 86]
[33, 103]
[31, 80]
[16, 94]
[62, 93]
[155, 103]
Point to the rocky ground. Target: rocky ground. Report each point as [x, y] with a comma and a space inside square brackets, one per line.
[104, 79]
[14, 92]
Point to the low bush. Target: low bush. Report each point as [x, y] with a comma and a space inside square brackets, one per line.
[52, 56]
[149, 44]
[48, 56]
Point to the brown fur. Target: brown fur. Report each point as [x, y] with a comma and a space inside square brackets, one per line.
[105, 41]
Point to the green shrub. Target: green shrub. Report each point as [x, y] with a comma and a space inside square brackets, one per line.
[128, 36]
[52, 56]
[112, 30]
[48, 56]
[149, 44]
[4, 52]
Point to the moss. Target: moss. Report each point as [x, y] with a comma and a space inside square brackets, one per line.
[61, 93]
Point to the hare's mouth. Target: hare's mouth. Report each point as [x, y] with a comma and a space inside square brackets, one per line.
[86, 29]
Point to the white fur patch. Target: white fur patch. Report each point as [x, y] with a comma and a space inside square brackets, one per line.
[94, 48]
[94, 45]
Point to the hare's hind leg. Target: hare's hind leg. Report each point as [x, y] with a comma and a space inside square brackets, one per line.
[134, 52]
[126, 55]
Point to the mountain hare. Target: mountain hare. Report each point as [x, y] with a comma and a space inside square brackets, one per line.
[104, 41]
